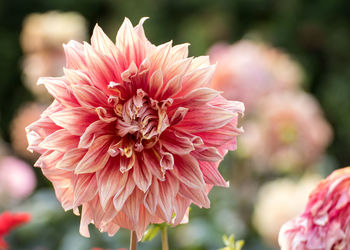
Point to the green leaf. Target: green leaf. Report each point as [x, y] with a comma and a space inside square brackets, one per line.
[151, 232]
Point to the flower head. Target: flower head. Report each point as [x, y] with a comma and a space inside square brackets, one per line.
[248, 71]
[8, 221]
[289, 132]
[134, 135]
[325, 222]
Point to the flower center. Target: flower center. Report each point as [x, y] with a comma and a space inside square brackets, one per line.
[141, 119]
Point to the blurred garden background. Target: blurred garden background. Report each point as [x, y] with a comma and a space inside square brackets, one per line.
[289, 61]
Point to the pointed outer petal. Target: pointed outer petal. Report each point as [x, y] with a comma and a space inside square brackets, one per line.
[181, 210]
[220, 136]
[97, 211]
[155, 82]
[210, 154]
[49, 159]
[205, 118]
[187, 170]
[64, 196]
[233, 106]
[109, 181]
[59, 89]
[211, 174]
[179, 52]
[160, 57]
[75, 58]
[132, 205]
[178, 115]
[126, 163]
[61, 140]
[96, 157]
[196, 97]
[152, 159]
[198, 196]
[200, 62]
[151, 197]
[74, 120]
[175, 143]
[111, 228]
[141, 174]
[85, 188]
[43, 127]
[171, 88]
[109, 212]
[89, 96]
[168, 190]
[197, 79]
[94, 130]
[178, 68]
[144, 220]
[106, 114]
[130, 43]
[86, 219]
[102, 44]
[76, 77]
[124, 193]
[71, 159]
[166, 161]
[123, 221]
[101, 68]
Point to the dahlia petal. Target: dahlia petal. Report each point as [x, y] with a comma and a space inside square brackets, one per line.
[181, 210]
[71, 159]
[205, 118]
[59, 89]
[89, 96]
[151, 197]
[178, 116]
[144, 220]
[76, 77]
[126, 163]
[69, 118]
[130, 43]
[171, 88]
[100, 68]
[179, 51]
[196, 97]
[211, 174]
[166, 161]
[210, 154]
[198, 196]
[74, 55]
[187, 170]
[132, 206]
[94, 130]
[109, 180]
[129, 73]
[160, 56]
[61, 140]
[198, 78]
[85, 188]
[167, 193]
[86, 219]
[120, 198]
[200, 62]
[96, 157]
[105, 115]
[176, 144]
[152, 161]
[141, 174]
[155, 82]
[178, 68]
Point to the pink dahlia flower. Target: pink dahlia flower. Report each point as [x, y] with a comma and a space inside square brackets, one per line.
[289, 132]
[247, 71]
[134, 135]
[325, 222]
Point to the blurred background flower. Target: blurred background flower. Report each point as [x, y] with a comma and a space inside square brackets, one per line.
[288, 60]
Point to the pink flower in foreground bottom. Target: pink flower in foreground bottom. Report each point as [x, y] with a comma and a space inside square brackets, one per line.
[134, 135]
[325, 223]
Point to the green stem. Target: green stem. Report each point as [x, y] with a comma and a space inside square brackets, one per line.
[165, 238]
[133, 240]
